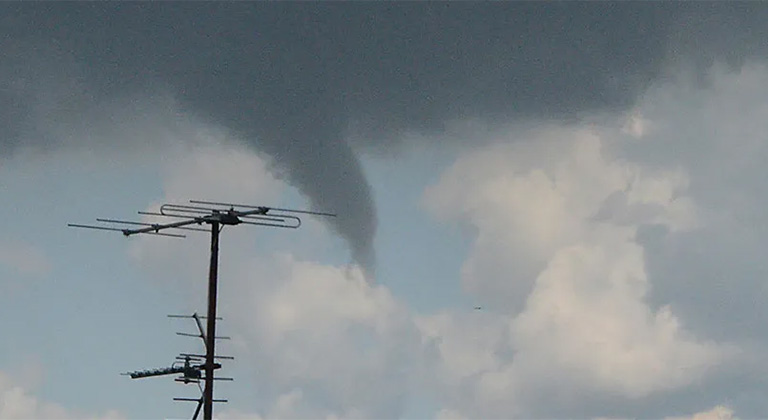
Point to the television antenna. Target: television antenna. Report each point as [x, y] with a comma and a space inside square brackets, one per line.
[190, 216]
[189, 366]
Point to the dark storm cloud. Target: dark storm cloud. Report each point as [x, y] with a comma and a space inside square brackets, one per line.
[294, 78]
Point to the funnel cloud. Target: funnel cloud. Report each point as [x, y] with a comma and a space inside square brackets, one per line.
[313, 84]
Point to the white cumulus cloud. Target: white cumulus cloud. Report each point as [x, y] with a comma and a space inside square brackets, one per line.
[19, 402]
[556, 216]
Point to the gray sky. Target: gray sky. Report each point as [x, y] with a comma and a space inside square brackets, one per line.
[295, 78]
[415, 119]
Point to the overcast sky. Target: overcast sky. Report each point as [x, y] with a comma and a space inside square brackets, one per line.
[590, 175]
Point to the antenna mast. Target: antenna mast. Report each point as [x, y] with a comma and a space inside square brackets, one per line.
[217, 215]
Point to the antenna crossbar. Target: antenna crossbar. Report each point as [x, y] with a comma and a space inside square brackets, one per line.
[218, 318]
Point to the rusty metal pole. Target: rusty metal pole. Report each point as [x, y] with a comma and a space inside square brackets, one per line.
[210, 331]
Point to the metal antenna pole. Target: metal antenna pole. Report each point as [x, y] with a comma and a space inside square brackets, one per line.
[211, 328]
